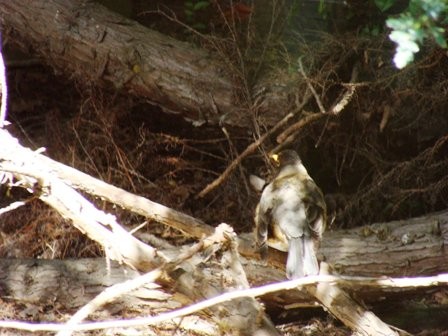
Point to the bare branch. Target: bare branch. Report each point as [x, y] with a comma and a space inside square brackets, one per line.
[120, 289]
[288, 135]
[311, 87]
[251, 148]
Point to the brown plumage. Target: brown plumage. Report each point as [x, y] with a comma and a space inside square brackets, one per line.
[291, 216]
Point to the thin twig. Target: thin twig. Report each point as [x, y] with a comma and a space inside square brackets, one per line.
[251, 148]
[311, 87]
[14, 206]
[348, 94]
[4, 89]
[288, 135]
[108, 295]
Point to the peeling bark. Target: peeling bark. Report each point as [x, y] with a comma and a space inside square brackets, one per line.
[385, 247]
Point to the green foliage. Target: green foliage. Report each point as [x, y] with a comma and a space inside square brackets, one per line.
[374, 30]
[384, 5]
[192, 9]
[421, 20]
[201, 5]
[322, 9]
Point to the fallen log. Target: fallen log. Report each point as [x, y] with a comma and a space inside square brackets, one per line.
[37, 175]
[73, 283]
[89, 43]
[414, 247]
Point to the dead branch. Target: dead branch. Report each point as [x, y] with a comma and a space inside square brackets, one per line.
[224, 273]
[346, 97]
[251, 148]
[13, 206]
[311, 87]
[285, 137]
[244, 319]
[118, 243]
[391, 249]
[288, 135]
[120, 289]
[95, 187]
[86, 278]
[107, 296]
[50, 189]
[346, 309]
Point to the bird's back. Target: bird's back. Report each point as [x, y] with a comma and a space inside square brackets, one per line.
[292, 203]
[291, 216]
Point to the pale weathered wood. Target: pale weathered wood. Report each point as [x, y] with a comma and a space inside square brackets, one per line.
[243, 317]
[346, 309]
[117, 243]
[401, 248]
[71, 283]
[215, 270]
[11, 151]
[413, 247]
[47, 185]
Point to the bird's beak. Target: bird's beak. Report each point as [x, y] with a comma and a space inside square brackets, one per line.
[274, 158]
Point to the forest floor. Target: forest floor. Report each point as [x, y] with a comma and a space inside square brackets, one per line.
[365, 162]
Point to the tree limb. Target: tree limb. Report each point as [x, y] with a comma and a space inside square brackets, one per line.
[251, 148]
[396, 246]
[48, 187]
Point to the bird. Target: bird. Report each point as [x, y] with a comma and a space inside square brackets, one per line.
[291, 215]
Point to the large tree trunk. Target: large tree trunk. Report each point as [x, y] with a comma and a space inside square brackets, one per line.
[89, 42]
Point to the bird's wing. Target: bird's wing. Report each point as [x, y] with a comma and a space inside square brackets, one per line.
[293, 204]
[261, 227]
[268, 230]
[316, 211]
[263, 218]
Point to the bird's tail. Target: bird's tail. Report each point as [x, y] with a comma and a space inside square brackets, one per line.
[302, 260]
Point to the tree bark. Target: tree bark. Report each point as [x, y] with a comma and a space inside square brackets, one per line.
[73, 283]
[90, 43]
[244, 316]
[400, 248]
[36, 173]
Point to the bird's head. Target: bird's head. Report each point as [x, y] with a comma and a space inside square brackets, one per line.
[287, 158]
